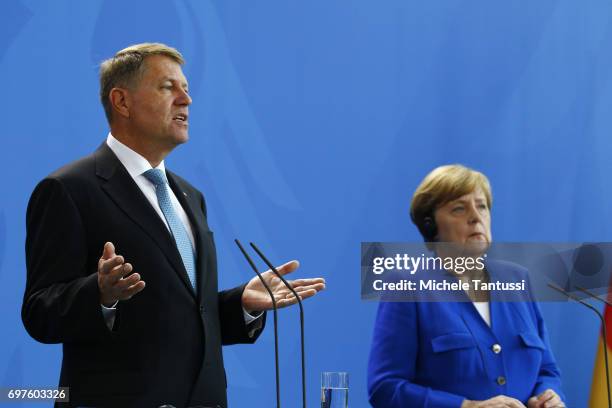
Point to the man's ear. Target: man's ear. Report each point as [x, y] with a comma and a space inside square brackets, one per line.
[120, 101]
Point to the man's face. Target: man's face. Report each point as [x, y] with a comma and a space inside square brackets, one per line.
[160, 104]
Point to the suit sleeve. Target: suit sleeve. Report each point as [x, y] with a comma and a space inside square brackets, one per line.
[549, 375]
[233, 327]
[393, 359]
[61, 301]
[231, 314]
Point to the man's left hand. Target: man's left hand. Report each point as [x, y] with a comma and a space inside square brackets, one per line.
[256, 298]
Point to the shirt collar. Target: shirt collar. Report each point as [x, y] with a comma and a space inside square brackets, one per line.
[133, 162]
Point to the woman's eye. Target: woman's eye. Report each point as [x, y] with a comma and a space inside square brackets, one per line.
[457, 209]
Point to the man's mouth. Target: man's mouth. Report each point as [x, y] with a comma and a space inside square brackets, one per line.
[181, 118]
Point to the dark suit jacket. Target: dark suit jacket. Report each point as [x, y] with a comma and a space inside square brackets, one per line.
[165, 346]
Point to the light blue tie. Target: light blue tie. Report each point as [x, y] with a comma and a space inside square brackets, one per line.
[183, 243]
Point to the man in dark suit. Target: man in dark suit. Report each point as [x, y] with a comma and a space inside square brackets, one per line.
[143, 328]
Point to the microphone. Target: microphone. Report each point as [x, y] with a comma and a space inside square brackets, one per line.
[288, 285]
[263, 282]
[603, 326]
[593, 295]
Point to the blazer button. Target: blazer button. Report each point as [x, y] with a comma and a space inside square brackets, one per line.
[496, 348]
[501, 380]
[201, 309]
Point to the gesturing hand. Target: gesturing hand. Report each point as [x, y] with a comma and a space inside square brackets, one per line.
[111, 277]
[256, 298]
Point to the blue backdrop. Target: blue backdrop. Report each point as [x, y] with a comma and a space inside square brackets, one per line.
[312, 124]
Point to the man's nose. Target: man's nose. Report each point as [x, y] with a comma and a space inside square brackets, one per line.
[184, 98]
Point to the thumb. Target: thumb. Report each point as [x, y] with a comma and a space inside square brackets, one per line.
[288, 267]
[109, 251]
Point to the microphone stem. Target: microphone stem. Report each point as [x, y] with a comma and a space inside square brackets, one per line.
[288, 285]
[263, 282]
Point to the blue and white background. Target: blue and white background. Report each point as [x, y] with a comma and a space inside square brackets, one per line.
[312, 124]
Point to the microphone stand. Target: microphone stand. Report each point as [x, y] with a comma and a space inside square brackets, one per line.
[603, 326]
[288, 285]
[250, 261]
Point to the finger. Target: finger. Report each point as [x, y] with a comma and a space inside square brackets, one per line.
[301, 289]
[110, 264]
[288, 267]
[119, 272]
[547, 394]
[303, 295]
[300, 292]
[109, 250]
[547, 398]
[553, 402]
[513, 403]
[306, 282]
[318, 287]
[132, 290]
[286, 302]
[124, 283]
[280, 294]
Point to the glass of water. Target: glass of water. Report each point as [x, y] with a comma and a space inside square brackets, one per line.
[334, 390]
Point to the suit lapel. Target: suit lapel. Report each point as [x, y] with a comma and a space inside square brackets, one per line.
[121, 188]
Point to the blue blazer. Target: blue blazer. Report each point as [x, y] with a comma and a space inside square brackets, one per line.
[437, 354]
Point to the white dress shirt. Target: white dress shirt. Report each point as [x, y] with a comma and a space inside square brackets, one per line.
[136, 166]
[484, 311]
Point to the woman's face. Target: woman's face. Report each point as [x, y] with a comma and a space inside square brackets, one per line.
[466, 220]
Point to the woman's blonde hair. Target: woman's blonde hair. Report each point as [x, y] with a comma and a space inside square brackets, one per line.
[441, 185]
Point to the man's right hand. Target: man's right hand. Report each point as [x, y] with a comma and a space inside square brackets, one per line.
[111, 271]
[501, 401]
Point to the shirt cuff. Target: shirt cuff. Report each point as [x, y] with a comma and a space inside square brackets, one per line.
[253, 323]
[248, 318]
[108, 313]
